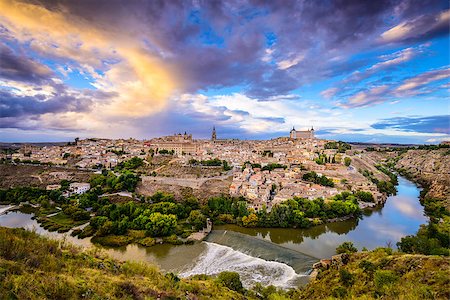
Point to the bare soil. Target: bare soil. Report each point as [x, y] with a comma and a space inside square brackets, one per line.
[38, 176]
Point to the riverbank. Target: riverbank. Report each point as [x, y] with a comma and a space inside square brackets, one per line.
[35, 267]
[400, 216]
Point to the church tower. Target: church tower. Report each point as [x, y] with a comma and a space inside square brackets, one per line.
[214, 134]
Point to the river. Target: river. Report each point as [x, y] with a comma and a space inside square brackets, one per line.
[270, 256]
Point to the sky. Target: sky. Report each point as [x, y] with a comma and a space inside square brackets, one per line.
[360, 71]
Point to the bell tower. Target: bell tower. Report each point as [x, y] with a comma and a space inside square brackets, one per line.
[214, 134]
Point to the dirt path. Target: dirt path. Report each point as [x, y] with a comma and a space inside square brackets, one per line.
[170, 162]
[38, 177]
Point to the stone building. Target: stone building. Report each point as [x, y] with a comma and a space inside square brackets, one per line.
[301, 134]
[179, 143]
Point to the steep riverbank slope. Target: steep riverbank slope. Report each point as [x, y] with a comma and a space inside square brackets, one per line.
[33, 267]
[383, 274]
[431, 168]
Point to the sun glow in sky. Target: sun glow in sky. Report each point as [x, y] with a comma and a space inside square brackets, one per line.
[369, 71]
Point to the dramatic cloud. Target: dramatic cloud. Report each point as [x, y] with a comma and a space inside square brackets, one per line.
[420, 28]
[141, 84]
[417, 85]
[432, 124]
[19, 67]
[253, 68]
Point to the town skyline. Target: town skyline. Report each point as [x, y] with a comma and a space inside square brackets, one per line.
[358, 71]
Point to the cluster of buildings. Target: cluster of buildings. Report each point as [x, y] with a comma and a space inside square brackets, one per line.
[88, 153]
[262, 187]
[75, 188]
[267, 188]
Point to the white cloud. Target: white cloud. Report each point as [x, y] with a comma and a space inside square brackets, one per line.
[287, 63]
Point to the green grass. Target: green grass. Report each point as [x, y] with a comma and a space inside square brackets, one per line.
[33, 267]
[383, 274]
[112, 240]
[60, 222]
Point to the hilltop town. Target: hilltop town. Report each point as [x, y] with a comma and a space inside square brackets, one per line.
[265, 172]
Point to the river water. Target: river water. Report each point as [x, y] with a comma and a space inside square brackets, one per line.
[280, 257]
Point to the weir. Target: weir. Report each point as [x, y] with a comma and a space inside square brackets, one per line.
[254, 259]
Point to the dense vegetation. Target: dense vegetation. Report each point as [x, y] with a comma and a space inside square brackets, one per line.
[355, 196]
[387, 187]
[109, 182]
[33, 267]
[382, 274]
[131, 164]
[28, 194]
[296, 212]
[314, 177]
[166, 152]
[340, 146]
[215, 162]
[273, 166]
[434, 237]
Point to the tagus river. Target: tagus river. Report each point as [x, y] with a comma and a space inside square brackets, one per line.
[281, 257]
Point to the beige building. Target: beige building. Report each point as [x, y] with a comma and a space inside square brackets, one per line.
[180, 144]
[299, 134]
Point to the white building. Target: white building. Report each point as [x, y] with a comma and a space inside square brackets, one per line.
[79, 188]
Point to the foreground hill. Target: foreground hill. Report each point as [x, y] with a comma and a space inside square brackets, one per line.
[384, 274]
[33, 267]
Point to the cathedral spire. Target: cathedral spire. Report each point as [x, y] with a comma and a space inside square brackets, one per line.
[214, 134]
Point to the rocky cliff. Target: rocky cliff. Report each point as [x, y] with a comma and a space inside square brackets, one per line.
[431, 168]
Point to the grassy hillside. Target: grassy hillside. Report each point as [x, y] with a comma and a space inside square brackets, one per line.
[384, 274]
[33, 267]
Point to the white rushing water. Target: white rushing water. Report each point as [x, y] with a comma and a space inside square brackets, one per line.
[4, 208]
[218, 258]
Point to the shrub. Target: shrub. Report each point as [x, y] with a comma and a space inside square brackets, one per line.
[367, 266]
[346, 247]
[383, 278]
[231, 280]
[339, 292]
[346, 277]
[347, 161]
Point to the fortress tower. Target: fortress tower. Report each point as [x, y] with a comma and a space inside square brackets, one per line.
[301, 134]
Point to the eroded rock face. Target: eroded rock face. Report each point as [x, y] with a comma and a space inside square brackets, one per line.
[431, 167]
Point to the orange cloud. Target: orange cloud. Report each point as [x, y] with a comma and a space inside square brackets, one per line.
[142, 83]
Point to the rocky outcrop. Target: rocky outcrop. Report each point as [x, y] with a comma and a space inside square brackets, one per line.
[431, 168]
[324, 264]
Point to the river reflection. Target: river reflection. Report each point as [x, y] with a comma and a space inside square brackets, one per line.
[401, 215]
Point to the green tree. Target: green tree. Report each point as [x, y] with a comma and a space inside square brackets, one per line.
[230, 280]
[250, 221]
[197, 219]
[346, 247]
[160, 224]
[347, 161]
